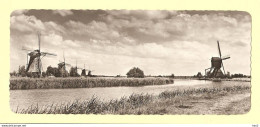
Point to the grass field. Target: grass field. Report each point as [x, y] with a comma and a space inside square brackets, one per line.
[226, 100]
[61, 83]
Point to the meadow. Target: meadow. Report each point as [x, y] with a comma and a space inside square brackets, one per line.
[62, 83]
[225, 100]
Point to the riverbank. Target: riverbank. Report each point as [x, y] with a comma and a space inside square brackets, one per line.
[227, 79]
[226, 100]
[62, 83]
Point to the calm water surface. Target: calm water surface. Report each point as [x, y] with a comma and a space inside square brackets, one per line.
[25, 98]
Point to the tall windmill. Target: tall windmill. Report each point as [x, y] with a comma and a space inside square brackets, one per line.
[35, 64]
[62, 67]
[216, 65]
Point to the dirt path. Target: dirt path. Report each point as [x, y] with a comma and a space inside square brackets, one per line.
[227, 104]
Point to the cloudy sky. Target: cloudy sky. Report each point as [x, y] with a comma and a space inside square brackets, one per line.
[111, 42]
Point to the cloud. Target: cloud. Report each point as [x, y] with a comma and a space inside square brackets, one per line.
[53, 39]
[159, 42]
[180, 27]
[19, 12]
[63, 13]
[53, 27]
[24, 23]
[30, 24]
[140, 14]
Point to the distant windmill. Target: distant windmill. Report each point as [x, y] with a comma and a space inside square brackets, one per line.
[216, 65]
[83, 72]
[76, 70]
[89, 72]
[35, 64]
[62, 66]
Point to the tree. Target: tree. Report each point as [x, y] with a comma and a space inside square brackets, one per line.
[172, 76]
[228, 75]
[53, 71]
[56, 72]
[49, 71]
[13, 73]
[199, 75]
[22, 71]
[135, 73]
[238, 75]
[44, 74]
[29, 74]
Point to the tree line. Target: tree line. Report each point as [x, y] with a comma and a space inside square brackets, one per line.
[51, 71]
[134, 72]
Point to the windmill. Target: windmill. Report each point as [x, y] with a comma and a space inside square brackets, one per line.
[77, 68]
[74, 71]
[62, 67]
[89, 72]
[216, 65]
[83, 72]
[35, 65]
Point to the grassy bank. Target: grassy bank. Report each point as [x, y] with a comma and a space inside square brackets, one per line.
[192, 101]
[61, 83]
[239, 79]
[227, 79]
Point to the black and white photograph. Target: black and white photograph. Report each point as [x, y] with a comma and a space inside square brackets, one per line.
[130, 62]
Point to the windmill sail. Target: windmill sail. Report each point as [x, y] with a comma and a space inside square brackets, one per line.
[225, 57]
[223, 69]
[219, 50]
[46, 53]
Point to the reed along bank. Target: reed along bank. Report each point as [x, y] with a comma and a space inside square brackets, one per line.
[62, 83]
[225, 100]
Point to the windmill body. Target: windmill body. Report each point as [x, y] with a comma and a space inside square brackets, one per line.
[83, 72]
[216, 66]
[34, 64]
[216, 62]
[89, 73]
[61, 67]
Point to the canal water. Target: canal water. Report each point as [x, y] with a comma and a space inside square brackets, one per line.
[22, 99]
